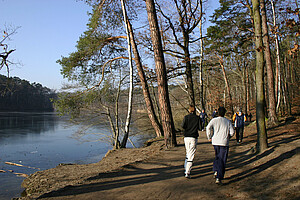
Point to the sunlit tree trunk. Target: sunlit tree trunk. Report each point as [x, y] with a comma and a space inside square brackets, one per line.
[226, 82]
[267, 53]
[201, 95]
[164, 101]
[130, 95]
[278, 65]
[262, 143]
[149, 104]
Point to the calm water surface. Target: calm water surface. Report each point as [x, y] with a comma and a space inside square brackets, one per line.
[41, 141]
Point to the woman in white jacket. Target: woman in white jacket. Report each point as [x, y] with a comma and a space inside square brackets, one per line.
[219, 130]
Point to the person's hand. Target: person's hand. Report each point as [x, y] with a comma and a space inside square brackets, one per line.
[209, 140]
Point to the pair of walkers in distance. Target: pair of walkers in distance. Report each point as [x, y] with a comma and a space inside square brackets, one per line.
[218, 131]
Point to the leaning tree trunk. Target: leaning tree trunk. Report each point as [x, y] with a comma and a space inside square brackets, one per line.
[267, 53]
[164, 101]
[262, 143]
[226, 83]
[130, 95]
[149, 104]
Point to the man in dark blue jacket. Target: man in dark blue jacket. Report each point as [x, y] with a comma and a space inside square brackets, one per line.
[239, 122]
[203, 116]
[191, 125]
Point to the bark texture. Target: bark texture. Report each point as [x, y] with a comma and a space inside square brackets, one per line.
[267, 53]
[150, 108]
[262, 143]
[164, 101]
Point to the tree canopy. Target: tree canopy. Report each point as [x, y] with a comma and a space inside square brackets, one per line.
[20, 95]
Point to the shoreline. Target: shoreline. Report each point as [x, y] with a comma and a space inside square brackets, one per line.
[64, 174]
[153, 172]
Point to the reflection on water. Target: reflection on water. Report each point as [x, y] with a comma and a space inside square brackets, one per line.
[42, 140]
[26, 123]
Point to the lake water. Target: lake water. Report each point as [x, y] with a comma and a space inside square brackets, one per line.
[40, 141]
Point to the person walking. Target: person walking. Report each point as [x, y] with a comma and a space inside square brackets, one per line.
[219, 130]
[191, 125]
[239, 122]
[214, 114]
[250, 116]
[203, 117]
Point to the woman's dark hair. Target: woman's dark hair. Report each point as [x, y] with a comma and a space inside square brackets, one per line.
[221, 111]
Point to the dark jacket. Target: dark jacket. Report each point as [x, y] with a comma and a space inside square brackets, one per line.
[203, 116]
[191, 124]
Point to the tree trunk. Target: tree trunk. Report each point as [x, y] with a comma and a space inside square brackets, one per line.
[117, 142]
[149, 104]
[189, 77]
[244, 96]
[188, 67]
[202, 106]
[164, 101]
[267, 53]
[287, 88]
[278, 67]
[248, 90]
[130, 95]
[262, 143]
[226, 83]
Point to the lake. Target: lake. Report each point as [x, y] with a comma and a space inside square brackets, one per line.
[40, 141]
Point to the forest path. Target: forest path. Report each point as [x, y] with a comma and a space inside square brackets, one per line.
[273, 174]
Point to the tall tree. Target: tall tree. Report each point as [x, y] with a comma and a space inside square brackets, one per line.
[182, 24]
[201, 91]
[267, 53]
[146, 92]
[130, 95]
[278, 59]
[230, 39]
[164, 101]
[221, 62]
[149, 104]
[262, 142]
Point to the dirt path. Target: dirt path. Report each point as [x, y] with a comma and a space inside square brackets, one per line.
[273, 174]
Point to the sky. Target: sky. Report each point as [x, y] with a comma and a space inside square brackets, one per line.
[48, 30]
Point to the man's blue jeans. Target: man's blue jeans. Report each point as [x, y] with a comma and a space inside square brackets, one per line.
[221, 154]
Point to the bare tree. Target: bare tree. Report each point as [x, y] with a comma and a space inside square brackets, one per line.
[187, 18]
[5, 62]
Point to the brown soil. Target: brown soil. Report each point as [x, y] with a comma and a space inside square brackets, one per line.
[153, 172]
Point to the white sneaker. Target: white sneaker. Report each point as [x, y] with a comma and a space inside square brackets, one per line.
[187, 176]
[218, 181]
[215, 174]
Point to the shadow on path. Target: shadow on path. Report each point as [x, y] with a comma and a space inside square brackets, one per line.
[169, 165]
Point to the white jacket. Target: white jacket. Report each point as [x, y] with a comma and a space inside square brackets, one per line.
[219, 130]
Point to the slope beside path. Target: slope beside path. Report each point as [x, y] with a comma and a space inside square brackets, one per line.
[155, 173]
